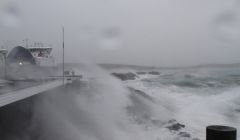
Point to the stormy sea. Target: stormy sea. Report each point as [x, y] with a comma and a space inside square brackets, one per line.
[118, 102]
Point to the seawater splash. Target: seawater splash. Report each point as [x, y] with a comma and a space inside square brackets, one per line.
[91, 112]
[103, 110]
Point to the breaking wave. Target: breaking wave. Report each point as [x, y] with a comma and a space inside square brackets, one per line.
[102, 107]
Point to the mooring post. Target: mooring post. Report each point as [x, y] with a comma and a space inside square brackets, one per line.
[218, 132]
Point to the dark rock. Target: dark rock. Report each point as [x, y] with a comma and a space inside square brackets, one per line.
[189, 84]
[125, 76]
[154, 73]
[195, 139]
[237, 110]
[141, 73]
[184, 134]
[173, 125]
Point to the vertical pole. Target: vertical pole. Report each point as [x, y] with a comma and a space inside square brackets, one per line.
[5, 65]
[63, 56]
[26, 43]
[218, 132]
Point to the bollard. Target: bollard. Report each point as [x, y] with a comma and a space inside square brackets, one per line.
[218, 132]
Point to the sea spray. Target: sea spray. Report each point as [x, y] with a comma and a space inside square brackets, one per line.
[104, 109]
[92, 112]
[101, 107]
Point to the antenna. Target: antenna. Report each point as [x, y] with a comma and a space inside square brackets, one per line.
[63, 59]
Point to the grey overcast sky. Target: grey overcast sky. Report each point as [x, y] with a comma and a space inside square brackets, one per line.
[141, 32]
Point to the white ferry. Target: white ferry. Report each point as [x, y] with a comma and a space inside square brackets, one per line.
[30, 63]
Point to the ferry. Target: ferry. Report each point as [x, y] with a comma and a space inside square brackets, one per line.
[33, 63]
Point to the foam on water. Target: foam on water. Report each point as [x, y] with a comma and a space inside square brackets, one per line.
[105, 108]
[218, 106]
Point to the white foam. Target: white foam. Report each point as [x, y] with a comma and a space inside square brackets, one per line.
[194, 110]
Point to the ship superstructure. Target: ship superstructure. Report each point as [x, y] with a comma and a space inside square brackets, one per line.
[42, 55]
[30, 63]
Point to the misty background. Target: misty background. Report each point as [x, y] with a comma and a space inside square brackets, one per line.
[140, 32]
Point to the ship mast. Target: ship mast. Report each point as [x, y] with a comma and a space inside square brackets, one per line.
[63, 59]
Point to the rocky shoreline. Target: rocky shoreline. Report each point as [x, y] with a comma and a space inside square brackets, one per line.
[132, 75]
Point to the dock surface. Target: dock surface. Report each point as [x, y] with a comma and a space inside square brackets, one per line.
[12, 91]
